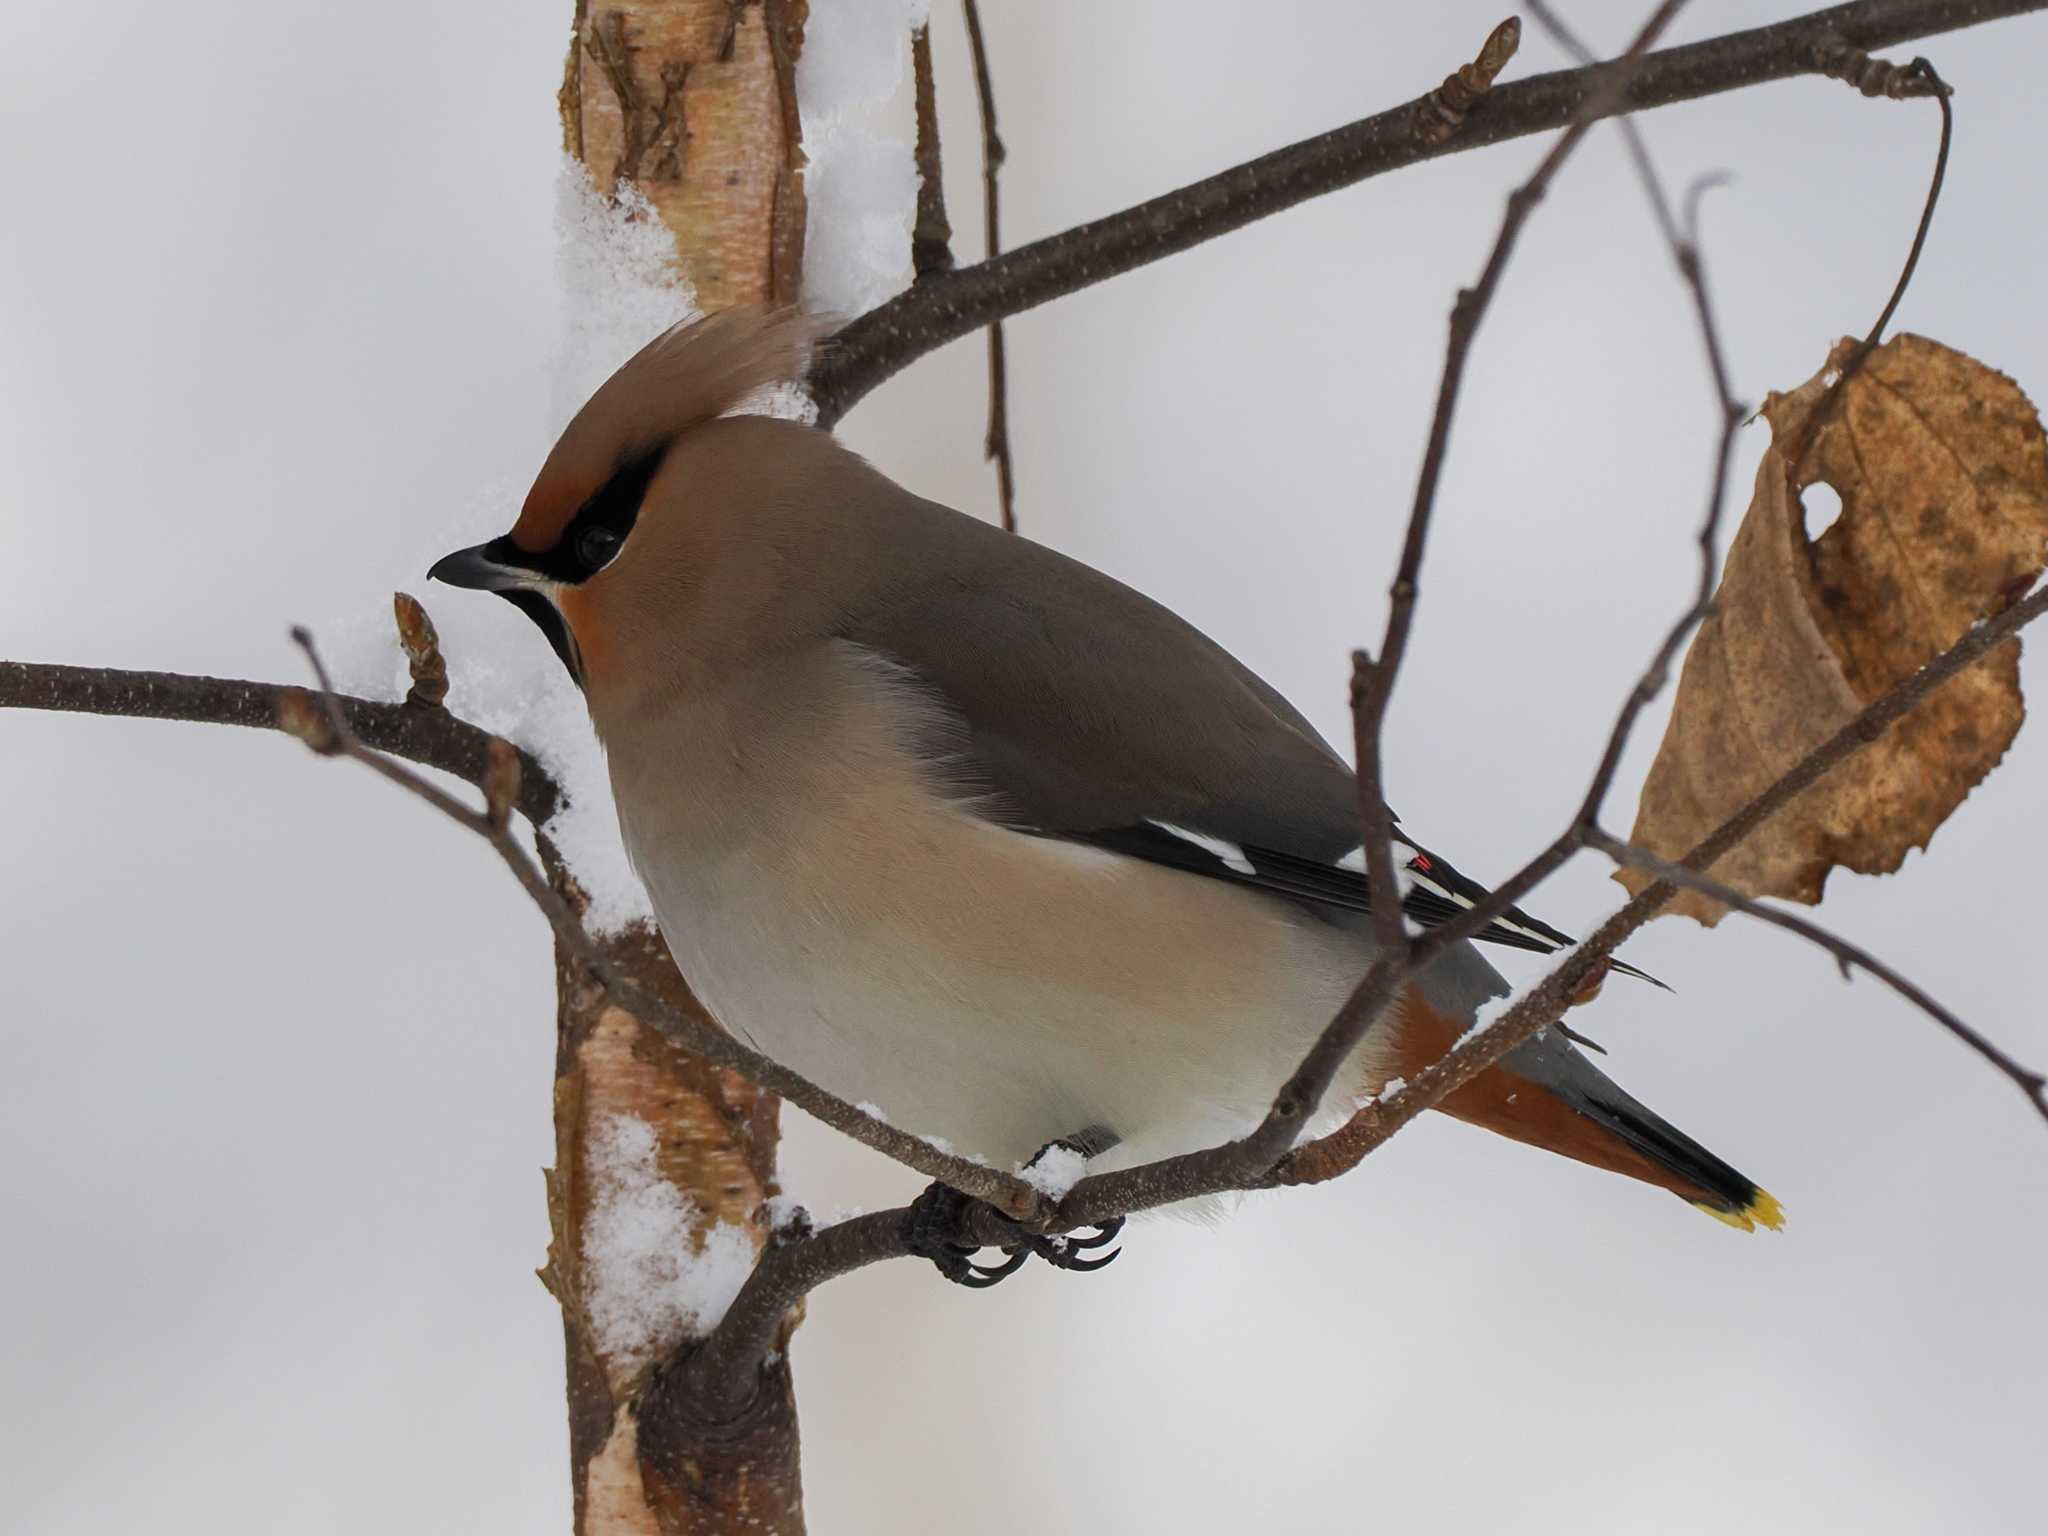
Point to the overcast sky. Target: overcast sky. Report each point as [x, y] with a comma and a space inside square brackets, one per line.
[279, 293]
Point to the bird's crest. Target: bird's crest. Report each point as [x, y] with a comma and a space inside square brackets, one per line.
[690, 374]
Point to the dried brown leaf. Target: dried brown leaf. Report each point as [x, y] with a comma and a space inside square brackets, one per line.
[1943, 475]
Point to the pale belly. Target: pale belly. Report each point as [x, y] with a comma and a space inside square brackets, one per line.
[997, 990]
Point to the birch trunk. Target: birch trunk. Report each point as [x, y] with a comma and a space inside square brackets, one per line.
[693, 102]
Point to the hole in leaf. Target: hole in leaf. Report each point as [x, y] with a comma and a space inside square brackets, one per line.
[1822, 505]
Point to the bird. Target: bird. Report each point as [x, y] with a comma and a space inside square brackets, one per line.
[970, 832]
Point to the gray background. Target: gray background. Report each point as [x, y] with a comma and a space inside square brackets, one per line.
[278, 288]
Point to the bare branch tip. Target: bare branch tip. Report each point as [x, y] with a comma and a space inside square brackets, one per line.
[931, 235]
[1695, 194]
[302, 637]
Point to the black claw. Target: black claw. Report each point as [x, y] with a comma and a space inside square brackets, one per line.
[1085, 1265]
[985, 1275]
[936, 1218]
[951, 1262]
[1068, 1253]
[1106, 1233]
[930, 1231]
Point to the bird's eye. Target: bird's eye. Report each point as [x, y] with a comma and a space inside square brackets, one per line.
[595, 547]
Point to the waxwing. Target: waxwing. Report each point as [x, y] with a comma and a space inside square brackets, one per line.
[968, 832]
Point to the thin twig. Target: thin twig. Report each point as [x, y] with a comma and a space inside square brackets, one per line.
[1847, 955]
[996, 445]
[1466, 316]
[433, 738]
[931, 237]
[886, 340]
[1923, 70]
[1373, 680]
[1933, 85]
[1683, 243]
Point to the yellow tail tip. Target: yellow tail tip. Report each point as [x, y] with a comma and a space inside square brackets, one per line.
[1763, 1209]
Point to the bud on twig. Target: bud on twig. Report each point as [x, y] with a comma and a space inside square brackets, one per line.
[299, 714]
[1442, 112]
[1361, 678]
[500, 781]
[422, 652]
[1836, 59]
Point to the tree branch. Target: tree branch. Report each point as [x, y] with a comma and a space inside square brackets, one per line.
[430, 737]
[931, 237]
[719, 1374]
[1683, 243]
[885, 341]
[1847, 955]
[996, 444]
[1373, 681]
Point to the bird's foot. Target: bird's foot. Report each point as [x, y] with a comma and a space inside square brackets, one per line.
[1069, 1251]
[932, 1230]
[938, 1218]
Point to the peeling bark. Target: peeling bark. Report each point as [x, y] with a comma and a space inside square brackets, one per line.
[694, 103]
